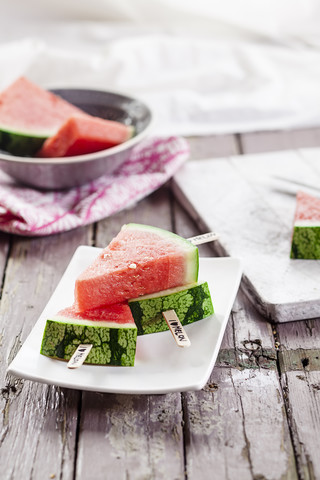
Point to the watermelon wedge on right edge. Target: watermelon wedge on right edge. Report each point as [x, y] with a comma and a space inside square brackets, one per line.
[141, 259]
[305, 242]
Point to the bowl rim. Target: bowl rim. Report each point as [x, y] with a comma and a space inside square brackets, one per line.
[6, 157]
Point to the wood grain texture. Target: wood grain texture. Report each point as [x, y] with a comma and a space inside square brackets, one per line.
[267, 141]
[213, 146]
[38, 421]
[4, 249]
[258, 417]
[300, 336]
[250, 338]
[131, 437]
[237, 429]
[299, 364]
[302, 394]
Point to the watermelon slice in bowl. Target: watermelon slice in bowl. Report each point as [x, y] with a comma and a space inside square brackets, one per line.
[29, 115]
[75, 170]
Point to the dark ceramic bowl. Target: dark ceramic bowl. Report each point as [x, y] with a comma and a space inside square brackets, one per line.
[67, 172]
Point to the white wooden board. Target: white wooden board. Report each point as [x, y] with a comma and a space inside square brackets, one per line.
[236, 197]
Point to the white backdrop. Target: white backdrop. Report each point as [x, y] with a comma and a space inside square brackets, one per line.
[203, 67]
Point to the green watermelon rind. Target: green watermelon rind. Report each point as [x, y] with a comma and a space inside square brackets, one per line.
[113, 344]
[191, 304]
[21, 143]
[305, 243]
[192, 256]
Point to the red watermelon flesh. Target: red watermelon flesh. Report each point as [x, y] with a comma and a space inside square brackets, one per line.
[138, 261]
[80, 135]
[307, 208]
[28, 108]
[119, 313]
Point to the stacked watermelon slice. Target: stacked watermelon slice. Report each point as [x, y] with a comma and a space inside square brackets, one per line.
[144, 271]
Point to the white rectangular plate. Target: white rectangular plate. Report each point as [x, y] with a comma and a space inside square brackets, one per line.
[160, 366]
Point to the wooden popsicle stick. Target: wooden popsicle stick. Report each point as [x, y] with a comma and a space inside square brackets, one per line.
[204, 238]
[79, 356]
[176, 328]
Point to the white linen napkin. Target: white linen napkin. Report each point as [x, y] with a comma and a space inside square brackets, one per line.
[204, 67]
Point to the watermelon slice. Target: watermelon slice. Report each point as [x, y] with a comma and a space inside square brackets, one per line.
[110, 330]
[190, 302]
[29, 115]
[80, 135]
[141, 259]
[306, 229]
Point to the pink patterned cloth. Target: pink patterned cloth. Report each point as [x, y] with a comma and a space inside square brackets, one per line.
[27, 211]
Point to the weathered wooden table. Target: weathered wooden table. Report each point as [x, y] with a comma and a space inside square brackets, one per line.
[257, 418]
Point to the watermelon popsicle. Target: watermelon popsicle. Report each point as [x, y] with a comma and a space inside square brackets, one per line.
[159, 311]
[111, 331]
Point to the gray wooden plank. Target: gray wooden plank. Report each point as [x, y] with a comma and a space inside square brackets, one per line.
[39, 422]
[4, 249]
[266, 141]
[250, 337]
[131, 437]
[299, 363]
[213, 146]
[302, 404]
[237, 428]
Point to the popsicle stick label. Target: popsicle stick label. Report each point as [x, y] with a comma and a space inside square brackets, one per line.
[176, 328]
[79, 356]
[204, 238]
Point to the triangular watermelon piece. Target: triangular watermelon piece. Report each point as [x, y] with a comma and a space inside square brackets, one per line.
[306, 230]
[140, 260]
[29, 115]
[79, 135]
